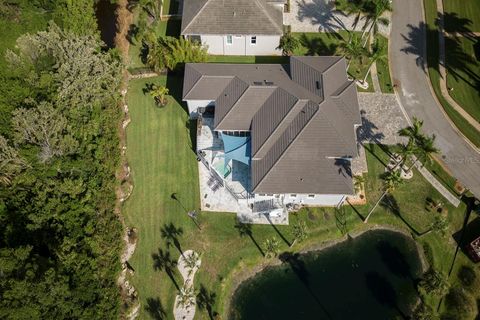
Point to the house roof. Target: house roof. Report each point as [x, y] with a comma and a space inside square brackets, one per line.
[246, 17]
[301, 117]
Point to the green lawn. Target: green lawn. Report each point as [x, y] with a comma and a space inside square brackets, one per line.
[464, 73]
[461, 14]
[383, 69]
[432, 59]
[162, 161]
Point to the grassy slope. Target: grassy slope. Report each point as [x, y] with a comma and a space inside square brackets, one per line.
[159, 152]
[432, 58]
[460, 10]
[465, 78]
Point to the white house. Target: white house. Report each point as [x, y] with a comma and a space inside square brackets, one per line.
[234, 27]
[290, 128]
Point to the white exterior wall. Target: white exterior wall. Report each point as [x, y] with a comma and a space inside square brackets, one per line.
[193, 106]
[318, 199]
[241, 45]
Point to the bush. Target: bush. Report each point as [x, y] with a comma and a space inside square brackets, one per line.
[467, 276]
[460, 304]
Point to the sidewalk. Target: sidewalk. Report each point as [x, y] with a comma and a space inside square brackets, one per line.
[443, 71]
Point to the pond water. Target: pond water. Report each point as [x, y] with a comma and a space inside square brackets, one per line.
[106, 20]
[370, 277]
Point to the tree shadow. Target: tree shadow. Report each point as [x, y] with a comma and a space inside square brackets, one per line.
[321, 13]
[416, 43]
[277, 231]
[395, 261]
[163, 261]
[245, 229]
[383, 291]
[317, 46]
[341, 220]
[206, 301]
[171, 234]
[299, 269]
[191, 125]
[469, 231]
[155, 309]
[389, 203]
[453, 23]
[344, 166]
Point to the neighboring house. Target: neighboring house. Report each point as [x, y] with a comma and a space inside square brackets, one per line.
[291, 129]
[234, 27]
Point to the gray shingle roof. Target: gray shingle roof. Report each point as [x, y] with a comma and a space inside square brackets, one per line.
[246, 17]
[302, 130]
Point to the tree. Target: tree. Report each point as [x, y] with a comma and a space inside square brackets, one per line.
[272, 247]
[434, 282]
[191, 261]
[391, 180]
[159, 94]
[358, 180]
[11, 163]
[45, 127]
[352, 50]
[355, 8]
[440, 225]
[378, 53]
[76, 16]
[300, 232]
[374, 11]
[288, 44]
[186, 296]
[423, 311]
[171, 53]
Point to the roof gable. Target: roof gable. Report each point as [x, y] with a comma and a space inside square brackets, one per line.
[246, 17]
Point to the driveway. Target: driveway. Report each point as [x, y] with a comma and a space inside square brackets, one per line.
[319, 15]
[407, 57]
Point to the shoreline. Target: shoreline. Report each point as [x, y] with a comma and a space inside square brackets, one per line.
[246, 274]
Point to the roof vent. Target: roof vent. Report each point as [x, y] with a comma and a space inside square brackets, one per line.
[257, 83]
[268, 83]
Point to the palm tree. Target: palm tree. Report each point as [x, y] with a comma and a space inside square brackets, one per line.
[358, 181]
[300, 232]
[271, 247]
[352, 7]
[191, 262]
[434, 282]
[440, 225]
[378, 53]
[413, 132]
[288, 44]
[391, 180]
[406, 150]
[425, 149]
[374, 17]
[186, 296]
[352, 50]
[159, 94]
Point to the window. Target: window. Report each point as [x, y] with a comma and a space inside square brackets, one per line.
[253, 40]
[311, 196]
[229, 39]
[195, 38]
[293, 195]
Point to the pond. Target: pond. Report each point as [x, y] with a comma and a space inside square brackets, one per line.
[372, 276]
[106, 20]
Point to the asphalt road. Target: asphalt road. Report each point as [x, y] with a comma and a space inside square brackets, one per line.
[407, 61]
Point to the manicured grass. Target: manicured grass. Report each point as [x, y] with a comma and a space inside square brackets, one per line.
[432, 59]
[464, 73]
[383, 69]
[461, 14]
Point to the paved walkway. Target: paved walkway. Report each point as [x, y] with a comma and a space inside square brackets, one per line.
[443, 71]
[186, 312]
[437, 185]
[320, 15]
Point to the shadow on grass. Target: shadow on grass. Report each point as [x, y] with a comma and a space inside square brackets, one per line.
[245, 229]
[318, 46]
[206, 300]
[171, 234]
[163, 261]
[155, 309]
[389, 203]
[469, 232]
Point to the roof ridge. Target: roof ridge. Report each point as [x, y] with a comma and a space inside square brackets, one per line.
[268, 16]
[196, 81]
[277, 127]
[196, 15]
[317, 108]
[338, 95]
[236, 102]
